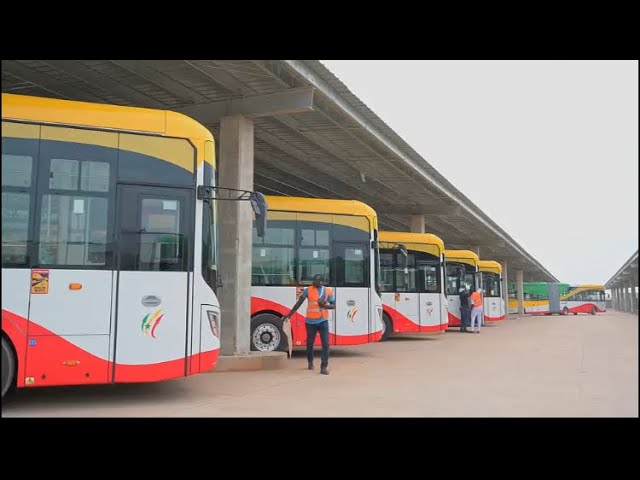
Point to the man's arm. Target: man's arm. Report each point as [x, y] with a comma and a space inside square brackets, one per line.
[303, 297]
[330, 303]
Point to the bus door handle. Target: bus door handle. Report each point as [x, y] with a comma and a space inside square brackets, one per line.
[151, 301]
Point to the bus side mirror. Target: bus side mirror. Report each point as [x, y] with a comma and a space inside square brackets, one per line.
[260, 208]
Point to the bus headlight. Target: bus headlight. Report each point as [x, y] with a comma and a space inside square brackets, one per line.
[214, 322]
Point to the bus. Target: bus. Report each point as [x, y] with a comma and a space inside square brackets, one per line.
[547, 298]
[584, 298]
[309, 236]
[108, 248]
[461, 271]
[494, 305]
[412, 283]
[542, 298]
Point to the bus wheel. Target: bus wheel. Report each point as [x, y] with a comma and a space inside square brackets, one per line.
[267, 334]
[8, 367]
[387, 327]
[565, 311]
[593, 310]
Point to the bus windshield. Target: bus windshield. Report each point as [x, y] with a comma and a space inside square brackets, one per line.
[491, 284]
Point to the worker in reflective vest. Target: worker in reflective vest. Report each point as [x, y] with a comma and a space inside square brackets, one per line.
[320, 300]
[476, 310]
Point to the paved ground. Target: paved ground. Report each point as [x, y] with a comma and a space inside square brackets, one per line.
[535, 366]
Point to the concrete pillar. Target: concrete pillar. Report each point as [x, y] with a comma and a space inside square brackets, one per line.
[616, 298]
[505, 287]
[625, 299]
[620, 298]
[417, 223]
[627, 296]
[520, 290]
[632, 297]
[477, 251]
[235, 233]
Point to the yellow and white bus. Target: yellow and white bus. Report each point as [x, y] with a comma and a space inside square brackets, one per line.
[412, 283]
[544, 298]
[494, 305]
[461, 271]
[584, 298]
[108, 250]
[309, 236]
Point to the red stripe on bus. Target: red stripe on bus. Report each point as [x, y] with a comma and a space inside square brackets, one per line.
[15, 327]
[403, 324]
[53, 360]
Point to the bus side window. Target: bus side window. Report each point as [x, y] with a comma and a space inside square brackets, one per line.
[76, 198]
[273, 259]
[19, 167]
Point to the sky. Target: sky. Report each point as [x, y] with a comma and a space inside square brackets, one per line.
[559, 139]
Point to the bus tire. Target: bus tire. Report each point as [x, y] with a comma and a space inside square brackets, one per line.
[8, 367]
[387, 327]
[267, 334]
[565, 311]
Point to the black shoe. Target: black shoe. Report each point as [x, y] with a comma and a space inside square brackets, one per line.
[310, 366]
[463, 330]
[324, 371]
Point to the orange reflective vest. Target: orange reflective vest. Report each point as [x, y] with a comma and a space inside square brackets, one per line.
[476, 298]
[314, 311]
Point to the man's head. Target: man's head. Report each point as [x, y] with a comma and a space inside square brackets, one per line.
[318, 280]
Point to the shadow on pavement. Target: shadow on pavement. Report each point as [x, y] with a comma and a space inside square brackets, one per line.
[92, 395]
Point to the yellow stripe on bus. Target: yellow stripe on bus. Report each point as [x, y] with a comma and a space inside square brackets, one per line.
[20, 130]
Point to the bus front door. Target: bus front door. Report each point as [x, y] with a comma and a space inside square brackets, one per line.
[154, 285]
[429, 303]
[353, 316]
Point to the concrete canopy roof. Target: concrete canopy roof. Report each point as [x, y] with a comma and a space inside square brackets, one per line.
[313, 137]
[626, 275]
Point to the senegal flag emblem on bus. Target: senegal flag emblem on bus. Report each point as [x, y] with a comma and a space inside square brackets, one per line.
[351, 314]
[150, 323]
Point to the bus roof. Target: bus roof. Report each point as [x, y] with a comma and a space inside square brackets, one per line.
[98, 115]
[489, 266]
[410, 237]
[322, 205]
[464, 254]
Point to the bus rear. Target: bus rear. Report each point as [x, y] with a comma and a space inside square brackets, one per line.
[309, 236]
[107, 254]
[412, 283]
[461, 271]
[494, 305]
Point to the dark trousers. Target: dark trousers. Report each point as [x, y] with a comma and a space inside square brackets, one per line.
[465, 318]
[323, 329]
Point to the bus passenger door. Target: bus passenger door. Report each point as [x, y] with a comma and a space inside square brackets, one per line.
[72, 282]
[406, 297]
[354, 317]
[429, 302]
[153, 288]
